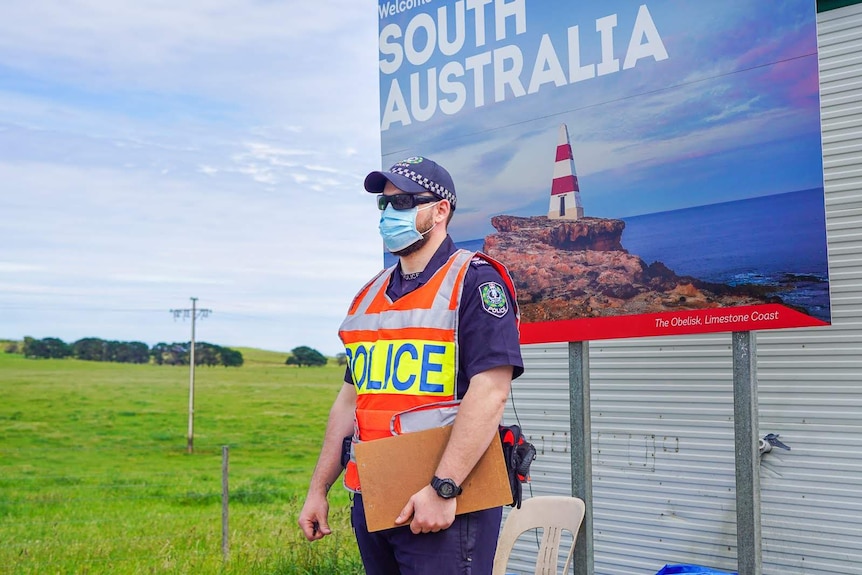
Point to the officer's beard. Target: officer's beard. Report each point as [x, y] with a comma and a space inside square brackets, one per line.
[415, 247]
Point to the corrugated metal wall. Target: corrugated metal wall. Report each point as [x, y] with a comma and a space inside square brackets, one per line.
[811, 381]
[662, 408]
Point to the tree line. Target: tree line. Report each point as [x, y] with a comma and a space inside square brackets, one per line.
[96, 349]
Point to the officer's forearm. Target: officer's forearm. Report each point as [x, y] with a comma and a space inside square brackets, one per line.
[339, 425]
[478, 420]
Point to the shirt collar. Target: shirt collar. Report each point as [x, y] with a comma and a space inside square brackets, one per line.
[440, 257]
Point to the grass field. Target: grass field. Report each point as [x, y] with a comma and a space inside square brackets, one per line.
[95, 478]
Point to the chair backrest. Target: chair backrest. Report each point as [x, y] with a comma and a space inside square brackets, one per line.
[553, 515]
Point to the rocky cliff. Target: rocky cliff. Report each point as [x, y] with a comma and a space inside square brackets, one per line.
[574, 269]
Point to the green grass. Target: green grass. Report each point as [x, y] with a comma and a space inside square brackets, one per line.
[95, 478]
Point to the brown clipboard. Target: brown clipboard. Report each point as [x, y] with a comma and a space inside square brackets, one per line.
[394, 468]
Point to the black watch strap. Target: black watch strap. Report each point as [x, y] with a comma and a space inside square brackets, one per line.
[445, 488]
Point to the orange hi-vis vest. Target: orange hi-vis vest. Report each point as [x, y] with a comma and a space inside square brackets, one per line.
[403, 355]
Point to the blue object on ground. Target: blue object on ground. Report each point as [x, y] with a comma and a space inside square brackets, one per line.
[691, 570]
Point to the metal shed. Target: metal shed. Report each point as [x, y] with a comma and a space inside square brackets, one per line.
[662, 436]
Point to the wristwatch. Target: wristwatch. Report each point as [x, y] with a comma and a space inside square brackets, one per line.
[445, 488]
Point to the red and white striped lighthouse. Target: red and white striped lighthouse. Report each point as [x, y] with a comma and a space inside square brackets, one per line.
[565, 193]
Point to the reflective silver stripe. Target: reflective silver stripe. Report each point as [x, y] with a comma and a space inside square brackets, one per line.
[376, 283]
[439, 316]
[418, 418]
[429, 318]
[421, 417]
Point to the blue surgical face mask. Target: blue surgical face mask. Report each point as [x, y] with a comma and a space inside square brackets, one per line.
[398, 227]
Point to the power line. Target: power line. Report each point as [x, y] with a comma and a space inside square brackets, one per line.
[192, 313]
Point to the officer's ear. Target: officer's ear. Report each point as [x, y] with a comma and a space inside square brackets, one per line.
[445, 210]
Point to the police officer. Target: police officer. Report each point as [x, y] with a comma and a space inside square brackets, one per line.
[432, 355]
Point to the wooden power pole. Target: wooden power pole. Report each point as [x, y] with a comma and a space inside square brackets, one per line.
[193, 313]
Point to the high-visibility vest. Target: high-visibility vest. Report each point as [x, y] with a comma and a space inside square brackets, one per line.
[403, 355]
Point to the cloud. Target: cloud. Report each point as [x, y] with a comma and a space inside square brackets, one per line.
[156, 151]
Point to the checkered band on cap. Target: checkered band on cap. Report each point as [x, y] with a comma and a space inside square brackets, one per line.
[403, 169]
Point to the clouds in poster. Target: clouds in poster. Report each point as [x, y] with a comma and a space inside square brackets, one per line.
[731, 112]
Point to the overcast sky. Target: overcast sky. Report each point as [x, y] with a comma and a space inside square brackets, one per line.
[155, 151]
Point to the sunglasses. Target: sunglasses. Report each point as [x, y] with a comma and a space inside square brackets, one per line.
[404, 201]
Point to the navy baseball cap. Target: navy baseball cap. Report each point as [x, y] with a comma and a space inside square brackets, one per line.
[414, 176]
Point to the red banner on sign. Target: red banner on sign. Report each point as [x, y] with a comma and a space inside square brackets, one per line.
[748, 318]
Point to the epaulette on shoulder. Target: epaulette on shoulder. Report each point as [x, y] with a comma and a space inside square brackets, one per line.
[479, 261]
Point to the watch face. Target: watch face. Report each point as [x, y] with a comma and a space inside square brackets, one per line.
[445, 488]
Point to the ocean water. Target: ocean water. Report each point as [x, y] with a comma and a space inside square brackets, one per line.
[777, 241]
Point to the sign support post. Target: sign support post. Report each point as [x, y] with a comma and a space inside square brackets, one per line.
[581, 456]
[745, 424]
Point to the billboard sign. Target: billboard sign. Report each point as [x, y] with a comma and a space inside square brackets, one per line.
[642, 168]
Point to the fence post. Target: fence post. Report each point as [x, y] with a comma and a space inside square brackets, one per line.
[749, 552]
[581, 456]
[225, 543]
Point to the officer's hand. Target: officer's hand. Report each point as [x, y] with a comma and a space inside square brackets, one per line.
[430, 512]
[314, 518]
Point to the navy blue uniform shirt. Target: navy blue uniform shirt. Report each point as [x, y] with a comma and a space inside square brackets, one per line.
[485, 340]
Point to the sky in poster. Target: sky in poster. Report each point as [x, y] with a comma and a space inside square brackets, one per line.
[709, 102]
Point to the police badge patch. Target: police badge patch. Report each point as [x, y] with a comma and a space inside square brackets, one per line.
[494, 299]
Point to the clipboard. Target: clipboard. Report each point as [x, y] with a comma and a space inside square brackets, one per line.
[394, 468]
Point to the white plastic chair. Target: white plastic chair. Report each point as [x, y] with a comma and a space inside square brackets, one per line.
[553, 515]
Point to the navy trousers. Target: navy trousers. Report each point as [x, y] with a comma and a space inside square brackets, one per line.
[466, 548]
